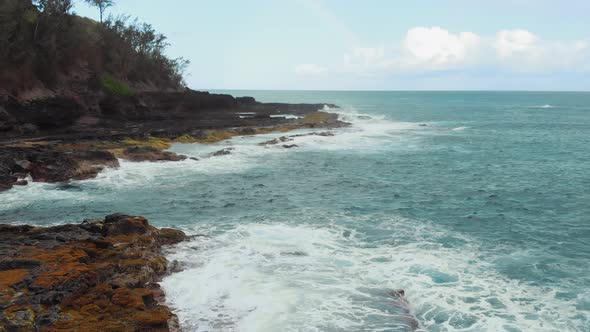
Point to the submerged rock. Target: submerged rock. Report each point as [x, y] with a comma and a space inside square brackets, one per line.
[95, 276]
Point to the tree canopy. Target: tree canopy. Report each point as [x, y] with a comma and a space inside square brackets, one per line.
[42, 42]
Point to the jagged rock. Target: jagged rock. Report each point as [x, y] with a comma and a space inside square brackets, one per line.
[281, 139]
[289, 146]
[96, 276]
[222, 152]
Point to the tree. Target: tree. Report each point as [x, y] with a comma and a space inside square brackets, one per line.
[102, 5]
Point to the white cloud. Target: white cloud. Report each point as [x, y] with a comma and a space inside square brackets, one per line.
[433, 49]
[438, 48]
[310, 69]
[522, 50]
[509, 43]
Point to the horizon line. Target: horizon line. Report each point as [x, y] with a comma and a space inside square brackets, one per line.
[383, 90]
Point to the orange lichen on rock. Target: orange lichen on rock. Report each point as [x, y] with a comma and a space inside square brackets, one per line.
[97, 276]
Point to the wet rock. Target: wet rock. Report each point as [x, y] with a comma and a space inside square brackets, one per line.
[281, 139]
[145, 153]
[24, 164]
[290, 146]
[96, 276]
[222, 152]
[167, 236]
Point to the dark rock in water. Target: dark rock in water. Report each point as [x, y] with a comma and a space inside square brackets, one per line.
[146, 153]
[222, 152]
[397, 293]
[193, 158]
[281, 139]
[294, 253]
[423, 125]
[96, 276]
[289, 146]
[364, 117]
[21, 183]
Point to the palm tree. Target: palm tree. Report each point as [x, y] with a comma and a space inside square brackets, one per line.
[102, 5]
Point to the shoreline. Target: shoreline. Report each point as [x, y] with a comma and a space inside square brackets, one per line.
[104, 273]
[136, 129]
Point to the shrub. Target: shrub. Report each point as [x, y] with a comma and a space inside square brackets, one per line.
[115, 87]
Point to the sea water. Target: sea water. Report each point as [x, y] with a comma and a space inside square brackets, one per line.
[476, 204]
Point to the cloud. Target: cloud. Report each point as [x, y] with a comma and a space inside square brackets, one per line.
[438, 48]
[522, 50]
[433, 49]
[422, 49]
[310, 69]
[511, 43]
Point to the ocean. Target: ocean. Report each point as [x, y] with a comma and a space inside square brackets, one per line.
[476, 204]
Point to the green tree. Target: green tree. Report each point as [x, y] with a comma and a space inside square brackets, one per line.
[102, 5]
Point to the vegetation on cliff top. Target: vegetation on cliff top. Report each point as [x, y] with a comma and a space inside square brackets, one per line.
[44, 45]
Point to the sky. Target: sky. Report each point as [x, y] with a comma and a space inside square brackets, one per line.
[373, 44]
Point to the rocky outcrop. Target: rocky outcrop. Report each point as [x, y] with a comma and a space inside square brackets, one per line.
[100, 275]
[95, 115]
[75, 136]
[146, 153]
[45, 164]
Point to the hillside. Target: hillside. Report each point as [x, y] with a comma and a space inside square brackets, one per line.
[47, 50]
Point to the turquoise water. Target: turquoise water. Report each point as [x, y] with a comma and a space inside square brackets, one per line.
[477, 204]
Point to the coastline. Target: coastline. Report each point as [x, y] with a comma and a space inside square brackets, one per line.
[138, 128]
[103, 274]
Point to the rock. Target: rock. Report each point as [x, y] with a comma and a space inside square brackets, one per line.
[7, 120]
[247, 131]
[28, 129]
[168, 236]
[222, 152]
[96, 276]
[281, 139]
[24, 164]
[145, 153]
[289, 146]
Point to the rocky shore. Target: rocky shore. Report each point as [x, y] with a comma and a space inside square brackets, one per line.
[100, 275]
[58, 138]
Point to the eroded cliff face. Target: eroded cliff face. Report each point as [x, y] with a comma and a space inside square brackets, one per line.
[100, 275]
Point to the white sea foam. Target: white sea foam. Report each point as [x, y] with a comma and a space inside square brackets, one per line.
[460, 128]
[544, 106]
[282, 277]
